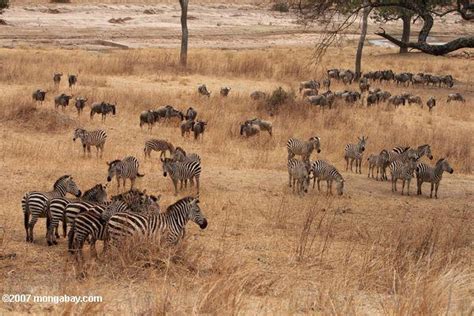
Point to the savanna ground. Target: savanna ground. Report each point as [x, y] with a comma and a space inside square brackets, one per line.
[266, 250]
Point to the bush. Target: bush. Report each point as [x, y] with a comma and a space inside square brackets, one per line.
[279, 97]
[4, 4]
[281, 6]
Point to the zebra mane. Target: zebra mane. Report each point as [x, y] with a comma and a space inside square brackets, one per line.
[60, 180]
[114, 161]
[175, 206]
[423, 146]
[92, 191]
[440, 161]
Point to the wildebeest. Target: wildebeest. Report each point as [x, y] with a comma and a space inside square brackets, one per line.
[262, 125]
[419, 78]
[372, 98]
[186, 127]
[225, 91]
[258, 95]
[396, 100]
[311, 84]
[333, 74]
[431, 103]
[199, 128]
[247, 129]
[72, 79]
[347, 76]
[327, 83]
[147, 117]
[386, 75]
[62, 100]
[456, 97]
[57, 78]
[39, 96]
[403, 78]
[202, 90]
[320, 100]
[414, 99]
[80, 104]
[191, 114]
[364, 85]
[102, 108]
[448, 81]
[307, 92]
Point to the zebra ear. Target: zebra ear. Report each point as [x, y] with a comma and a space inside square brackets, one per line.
[108, 163]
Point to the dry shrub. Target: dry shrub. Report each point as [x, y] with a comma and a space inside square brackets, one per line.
[281, 6]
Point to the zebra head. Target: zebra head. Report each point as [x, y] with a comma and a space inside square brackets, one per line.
[362, 142]
[195, 214]
[425, 150]
[340, 187]
[78, 133]
[444, 165]
[113, 168]
[316, 143]
[66, 184]
[168, 164]
[98, 193]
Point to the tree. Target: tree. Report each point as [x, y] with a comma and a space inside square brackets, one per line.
[393, 14]
[363, 33]
[183, 56]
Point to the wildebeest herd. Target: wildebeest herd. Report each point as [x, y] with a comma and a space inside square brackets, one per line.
[91, 216]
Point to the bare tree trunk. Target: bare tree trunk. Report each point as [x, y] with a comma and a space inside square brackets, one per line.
[363, 33]
[183, 57]
[406, 32]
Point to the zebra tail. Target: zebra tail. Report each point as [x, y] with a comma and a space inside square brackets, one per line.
[26, 213]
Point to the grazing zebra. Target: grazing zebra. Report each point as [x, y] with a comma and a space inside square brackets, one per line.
[39, 96]
[158, 145]
[354, 152]
[186, 127]
[225, 91]
[199, 128]
[95, 138]
[379, 162]
[182, 171]
[126, 168]
[324, 171]
[57, 78]
[403, 171]
[202, 90]
[299, 175]
[80, 104]
[102, 108]
[62, 100]
[172, 222]
[57, 209]
[72, 80]
[35, 203]
[191, 114]
[303, 148]
[431, 103]
[433, 175]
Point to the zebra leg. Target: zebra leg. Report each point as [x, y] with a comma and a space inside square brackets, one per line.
[89, 150]
[289, 182]
[408, 186]
[347, 163]
[175, 183]
[93, 251]
[418, 186]
[31, 226]
[319, 187]
[436, 190]
[197, 184]
[432, 187]
[352, 162]
[403, 185]
[84, 150]
[132, 182]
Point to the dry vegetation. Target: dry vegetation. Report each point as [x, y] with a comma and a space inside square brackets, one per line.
[266, 250]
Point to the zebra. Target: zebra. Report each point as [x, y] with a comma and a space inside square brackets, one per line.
[225, 91]
[72, 80]
[191, 114]
[403, 170]
[433, 175]
[39, 96]
[57, 208]
[431, 103]
[102, 108]
[158, 145]
[299, 175]
[380, 162]
[404, 153]
[303, 148]
[199, 128]
[172, 222]
[186, 127]
[35, 203]
[62, 100]
[57, 78]
[126, 168]
[95, 138]
[80, 104]
[322, 170]
[182, 171]
[354, 152]
[202, 90]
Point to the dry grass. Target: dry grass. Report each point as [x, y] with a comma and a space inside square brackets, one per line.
[265, 250]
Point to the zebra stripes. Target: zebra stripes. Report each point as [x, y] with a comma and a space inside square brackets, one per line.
[303, 148]
[322, 170]
[433, 175]
[379, 162]
[172, 222]
[182, 171]
[35, 203]
[95, 138]
[403, 171]
[124, 169]
[299, 175]
[354, 152]
[158, 145]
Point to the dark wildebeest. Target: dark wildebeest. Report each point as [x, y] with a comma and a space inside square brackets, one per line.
[147, 117]
[431, 103]
[262, 125]
[102, 108]
[57, 79]
[248, 129]
[72, 79]
[199, 128]
[191, 114]
[364, 85]
[39, 96]
[310, 84]
[225, 91]
[186, 127]
[202, 90]
[62, 100]
[80, 104]
[456, 97]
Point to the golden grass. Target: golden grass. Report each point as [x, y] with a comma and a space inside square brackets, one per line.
[265, 250]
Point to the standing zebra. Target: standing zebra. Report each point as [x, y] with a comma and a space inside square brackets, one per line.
[322, 170]
[403, 171]
[380, 162]
[126, 168]
[354, 152]
[57, 208]
[303, 148]
[403, 154]
[182, 171]
[172, 222]
[102, 108]
[433, 175]
[95, 138]
[35, 203]
[158, 145]
[299, 175]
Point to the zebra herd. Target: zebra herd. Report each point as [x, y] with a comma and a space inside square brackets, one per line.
[403, 163]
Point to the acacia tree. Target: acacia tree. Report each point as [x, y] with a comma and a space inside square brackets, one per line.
[183, 56]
